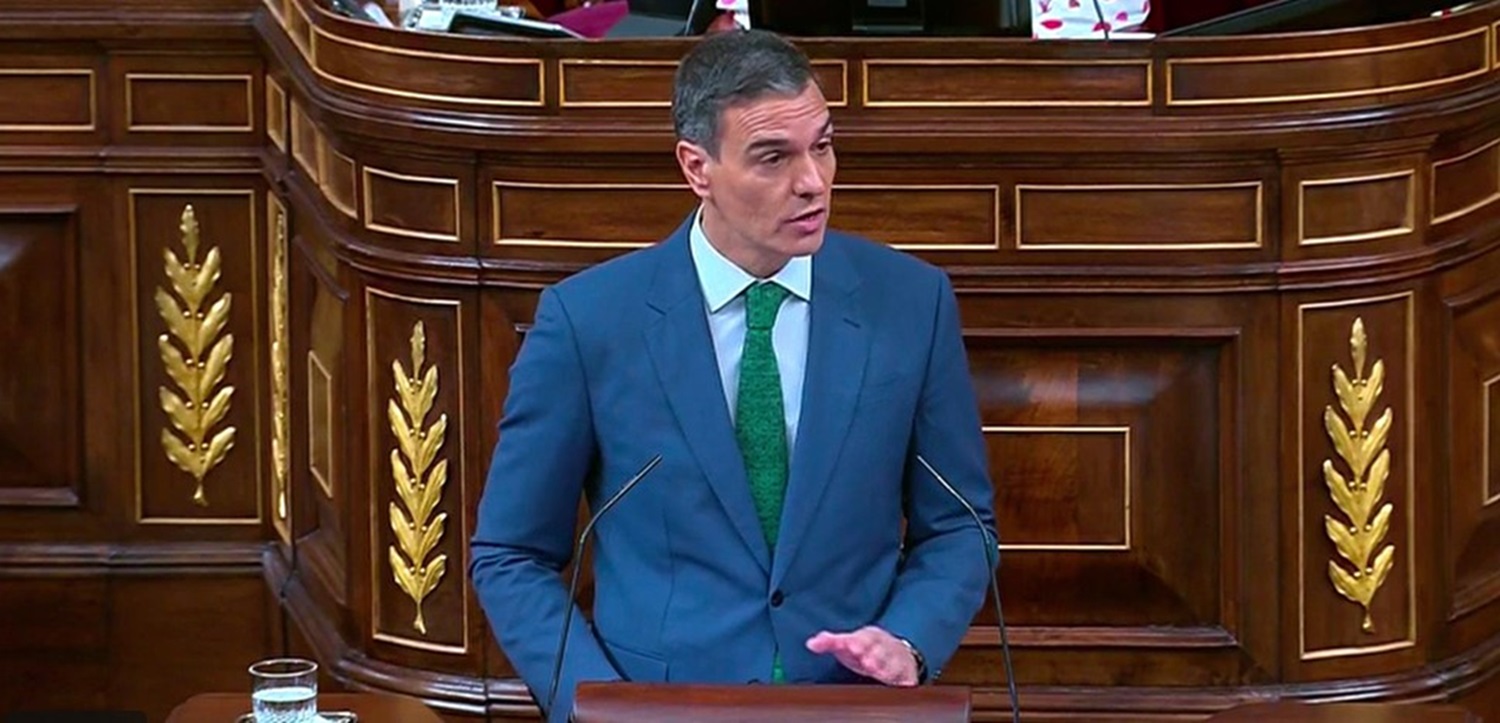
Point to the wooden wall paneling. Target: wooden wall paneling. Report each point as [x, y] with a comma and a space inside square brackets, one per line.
[128, 627]
[1317, 73]
[1483, 701]
[1465, 179]
[1056, 382]
[425, 77]
[1226, 213]
[338, 178]
[1379, 204]
[319, 369]
[278, 130]
[1082, 484]
[1471, 317]
[56, 653]
[305, 140]
[623, 83]
[41, 428]
[175, 636]
[1369, 337]
[227, 458]
[579, 216]
[64, 93]
[416, 345]
[1162, 217]
[62, 287]
[505, 314]
[950, 83]
[422, 206]
[188, 99]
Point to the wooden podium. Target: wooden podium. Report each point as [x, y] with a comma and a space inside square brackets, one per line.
[657, 702]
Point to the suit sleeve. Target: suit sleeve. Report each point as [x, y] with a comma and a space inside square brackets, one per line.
[945, 572]
[529, 511]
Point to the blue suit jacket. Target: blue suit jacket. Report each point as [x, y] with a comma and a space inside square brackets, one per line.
[619, 367]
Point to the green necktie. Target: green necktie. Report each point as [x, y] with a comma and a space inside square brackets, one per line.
[760, 418]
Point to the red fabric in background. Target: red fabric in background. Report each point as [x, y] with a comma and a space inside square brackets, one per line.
[593, 21]
[1171, 14]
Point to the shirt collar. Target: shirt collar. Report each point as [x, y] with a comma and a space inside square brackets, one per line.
[722, 280]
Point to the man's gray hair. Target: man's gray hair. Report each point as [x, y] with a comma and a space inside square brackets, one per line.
[728, 68]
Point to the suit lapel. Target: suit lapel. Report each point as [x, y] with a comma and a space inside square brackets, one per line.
[683, 354]
[838, 344]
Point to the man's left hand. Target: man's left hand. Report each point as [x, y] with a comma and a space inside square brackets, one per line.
[869, 651]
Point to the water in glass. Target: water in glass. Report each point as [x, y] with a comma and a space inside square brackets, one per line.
[284, 690]
[293, 704]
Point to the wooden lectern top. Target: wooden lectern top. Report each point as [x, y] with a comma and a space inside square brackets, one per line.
[659, 702]
[1287, 712]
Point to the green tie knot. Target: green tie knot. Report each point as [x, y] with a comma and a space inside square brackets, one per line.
[762, 303]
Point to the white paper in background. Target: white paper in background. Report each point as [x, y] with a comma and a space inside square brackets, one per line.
[1089, 19]
[740, 8]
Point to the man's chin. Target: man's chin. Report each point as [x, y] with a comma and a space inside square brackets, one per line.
[808, 244]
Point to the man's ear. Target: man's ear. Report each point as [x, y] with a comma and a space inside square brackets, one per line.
[694, 160]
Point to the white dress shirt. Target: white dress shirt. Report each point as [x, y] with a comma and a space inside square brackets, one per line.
[723, 285]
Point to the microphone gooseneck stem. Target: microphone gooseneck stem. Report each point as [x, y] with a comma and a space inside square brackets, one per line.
[989, 545]
[562, 643]
[1098, 11]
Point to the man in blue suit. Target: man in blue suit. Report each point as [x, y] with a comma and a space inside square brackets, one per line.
[789, 378]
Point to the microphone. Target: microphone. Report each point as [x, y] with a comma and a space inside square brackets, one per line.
[1010, 678]
[588, 530]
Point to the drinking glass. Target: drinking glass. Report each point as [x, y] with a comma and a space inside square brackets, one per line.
[284, 690]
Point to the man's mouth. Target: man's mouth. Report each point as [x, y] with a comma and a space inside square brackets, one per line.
[810, 216]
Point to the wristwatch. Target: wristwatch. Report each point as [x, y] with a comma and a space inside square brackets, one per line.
[917, 656]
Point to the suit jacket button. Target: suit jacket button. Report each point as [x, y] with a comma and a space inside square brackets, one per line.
[777, 598]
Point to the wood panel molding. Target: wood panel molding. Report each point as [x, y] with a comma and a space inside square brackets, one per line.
[42, 448]
[1328, 627]
[320, 454]
[276, 114]
[1005, 83]
[1144, 216]
[1319, 75]
[337, 179]
[936, 217]
[157, 219]
[1465, 183]
[1473, 400]
[422, 75]
[1356, 208]
[415, 412]
[189, 103]
[62, 100]
[628, 83]
[426, 208]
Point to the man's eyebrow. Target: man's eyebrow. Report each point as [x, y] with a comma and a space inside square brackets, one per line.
[783, 142]
[769, 142]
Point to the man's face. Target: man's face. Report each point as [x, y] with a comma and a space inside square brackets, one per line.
[765, 197]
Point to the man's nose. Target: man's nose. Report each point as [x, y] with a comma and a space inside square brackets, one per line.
[809, 179]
